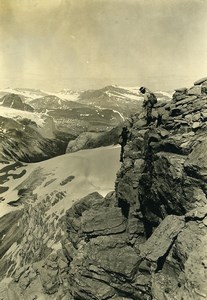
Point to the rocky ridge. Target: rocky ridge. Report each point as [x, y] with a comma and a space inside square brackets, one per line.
[147, 240]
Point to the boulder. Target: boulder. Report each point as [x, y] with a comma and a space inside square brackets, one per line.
[196, 163]
[181, 90]
[113, 256]
[196, 125]
[204, 87]
[105, 221]
[88, 288]
[186, 100]
[195, 90]
[200, 81]
[198, 213]
[159, 243]
[184, 273]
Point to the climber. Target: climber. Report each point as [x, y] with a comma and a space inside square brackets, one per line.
[149, 101]
[123, 141]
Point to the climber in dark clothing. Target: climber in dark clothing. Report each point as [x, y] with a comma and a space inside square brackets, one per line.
[149, 101]
[123, 141]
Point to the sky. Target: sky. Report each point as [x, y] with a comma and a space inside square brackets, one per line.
[88, 44]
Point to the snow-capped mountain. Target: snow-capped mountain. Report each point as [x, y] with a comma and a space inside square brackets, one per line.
[120, 92]
[74, 95]
[122, 99]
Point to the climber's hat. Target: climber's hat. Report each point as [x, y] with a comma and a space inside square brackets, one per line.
[142, 89]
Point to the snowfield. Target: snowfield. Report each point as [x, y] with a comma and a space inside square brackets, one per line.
[74, 174]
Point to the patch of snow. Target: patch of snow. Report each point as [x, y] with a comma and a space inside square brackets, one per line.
[119, 95]
[5, 280]
[5, 208]
[119, 114]
[12, 113]
[3, 236]
[130, 93]
[132, 89]
[133, 97]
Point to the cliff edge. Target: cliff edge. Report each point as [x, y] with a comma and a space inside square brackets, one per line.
[147, 240]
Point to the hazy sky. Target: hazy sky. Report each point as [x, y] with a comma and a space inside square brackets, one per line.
[55, 44]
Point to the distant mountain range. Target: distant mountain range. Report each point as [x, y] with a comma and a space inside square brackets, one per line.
[92, 109]
[35, 124]
[67, 94]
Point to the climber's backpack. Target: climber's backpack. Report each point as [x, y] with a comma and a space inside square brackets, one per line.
[153, 99]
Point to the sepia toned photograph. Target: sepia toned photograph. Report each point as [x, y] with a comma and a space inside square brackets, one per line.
[103, 149]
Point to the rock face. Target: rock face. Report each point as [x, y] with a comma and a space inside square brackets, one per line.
[147, 240]
[162, 183]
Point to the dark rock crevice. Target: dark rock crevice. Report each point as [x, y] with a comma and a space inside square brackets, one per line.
[125, 207]
[162, 259]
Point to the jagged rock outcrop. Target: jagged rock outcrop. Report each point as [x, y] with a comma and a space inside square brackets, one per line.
[165, 172]
[147, 240]
[159, 253]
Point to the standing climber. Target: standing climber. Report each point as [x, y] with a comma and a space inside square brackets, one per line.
[123, 141]
[149, 101]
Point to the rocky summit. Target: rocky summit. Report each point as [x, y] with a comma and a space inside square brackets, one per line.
[146, 240]
[15, 101]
